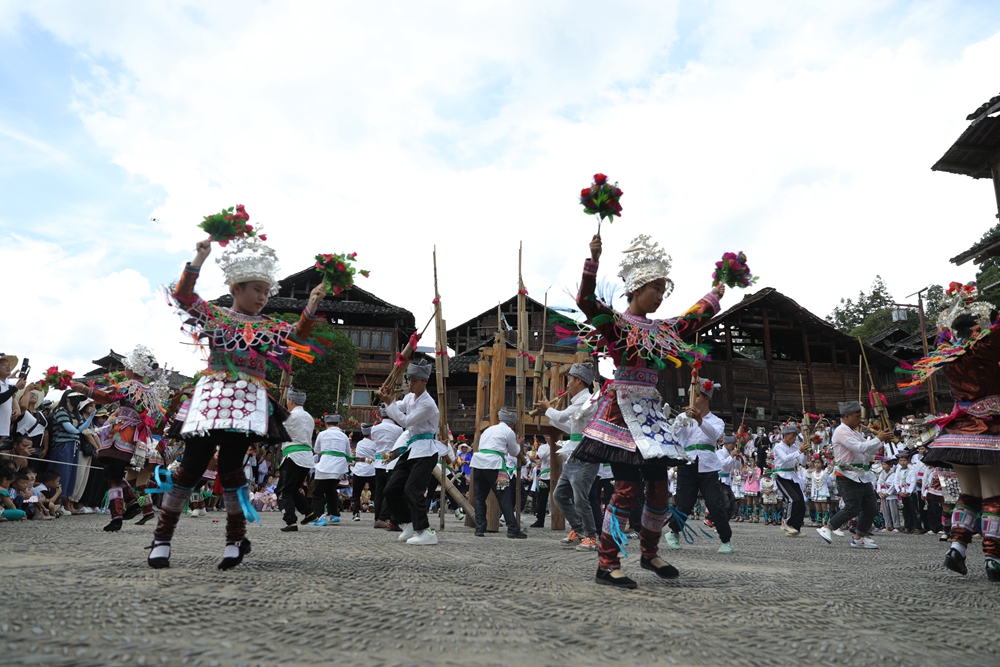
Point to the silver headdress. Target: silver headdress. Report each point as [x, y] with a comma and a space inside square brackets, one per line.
[247, 259]
[645, 261]
[140, 360]
[962, 299]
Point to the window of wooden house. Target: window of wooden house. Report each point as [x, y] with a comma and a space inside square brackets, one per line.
[366, 340]
[362, 398]
[355, 337]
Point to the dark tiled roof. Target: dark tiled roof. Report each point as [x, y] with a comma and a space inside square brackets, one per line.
[971, 154]
[985, 107]
[979, 253]
[356, 293]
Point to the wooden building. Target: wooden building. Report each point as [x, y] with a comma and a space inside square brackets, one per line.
[764, 346]
[376, 327]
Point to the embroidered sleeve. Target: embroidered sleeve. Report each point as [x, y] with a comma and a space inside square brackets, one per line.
[599, 315]
[697, 315]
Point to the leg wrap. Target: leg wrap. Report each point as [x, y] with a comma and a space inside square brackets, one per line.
[963, 518]
[129, 494]
[614, 524]
[991, 527]
[236, 523]
[115, 502]
[654, 515]
[173, 504]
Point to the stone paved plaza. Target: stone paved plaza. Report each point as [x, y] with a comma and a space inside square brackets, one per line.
[351, 595]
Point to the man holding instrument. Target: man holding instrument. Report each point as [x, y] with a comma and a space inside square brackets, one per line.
[788, 456]
[496, 445]
[854, 481]
[405, 493]
[572, 492]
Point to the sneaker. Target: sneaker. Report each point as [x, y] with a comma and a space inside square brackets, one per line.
[407, 532]
[587, 544]
[320, 522]
[570, 539]
[426, 536]
[195, 514]
[839, 533]
[634, 535]
[356, 517]
[381, 524]
[791, 532]
[864, 543]
[330, 520]
[825, 533]
[726, 548]
[672, 540]
[87, 510]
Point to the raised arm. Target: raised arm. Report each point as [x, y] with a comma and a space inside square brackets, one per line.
[700, 313]
[303, 328]
[587, 299]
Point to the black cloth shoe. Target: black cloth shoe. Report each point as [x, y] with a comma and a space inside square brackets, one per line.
[229, 563]
[480, 534]
[114, 526]
[667, 571]
[537, 524]
[132, 512]
[158, 563]
[144, 520]
[519, 535]
[290, 528]
[992, 571]
[309, 519]
[955, 562]
[604, 578]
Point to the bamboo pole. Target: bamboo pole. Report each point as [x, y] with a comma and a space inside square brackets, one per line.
[482, 383]
[498, 390]
[441, 368]
[396, 375]
[521, 362]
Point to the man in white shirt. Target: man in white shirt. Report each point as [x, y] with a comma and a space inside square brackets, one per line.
[297, 461]
[572, 492]
[363, 470]
[543, 457]
[384, 435]
[789, 454]
[406, 491]
[698, 440]
[496, 444]
[909, 492]
[333, 454]
[855, 482]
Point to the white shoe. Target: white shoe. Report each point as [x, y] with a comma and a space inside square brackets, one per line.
[839, 533]
[195, 514]
[864, 543]
[825, 533]
[785, 527]
[407, 532]
[427, 536]
[86, 510]
[791, 532]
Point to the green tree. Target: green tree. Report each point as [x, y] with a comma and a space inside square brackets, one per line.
[988, 276]
[851, 315]
[319, 379]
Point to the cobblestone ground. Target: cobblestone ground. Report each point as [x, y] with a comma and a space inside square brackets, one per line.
[348, 594]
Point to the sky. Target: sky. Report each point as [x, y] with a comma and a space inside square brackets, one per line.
[801, 133]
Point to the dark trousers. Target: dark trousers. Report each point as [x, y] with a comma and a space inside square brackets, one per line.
[326, 494]
[378, 496]
[595, 502]
[860, 500]
[405, 492]
[689, 483]
[359, 486]
[922, 513]
[796, 501]
[289, 490]
[910, 515]
[541, 502]
[485, 482]
[934, 514]
[525, 492]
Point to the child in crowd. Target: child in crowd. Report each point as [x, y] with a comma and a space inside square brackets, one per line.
[267, 498]
[10, 511]
[888, 490]
[26, 500]
[49, 493]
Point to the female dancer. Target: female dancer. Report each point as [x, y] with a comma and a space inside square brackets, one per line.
[230, 407]
[129, 440]
[970, 437]
[630, 430]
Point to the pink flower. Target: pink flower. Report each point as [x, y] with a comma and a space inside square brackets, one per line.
[352, 255]
[249, 228]
[263, 237]
[337, 289]
[341, 267]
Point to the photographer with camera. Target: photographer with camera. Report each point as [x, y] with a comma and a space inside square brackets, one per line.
[7, 392]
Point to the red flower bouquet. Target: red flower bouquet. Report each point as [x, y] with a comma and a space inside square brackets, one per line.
[55, 379]
[601, 199]
[732, 271]
[231, 223]
[966, 292]
[338, 271]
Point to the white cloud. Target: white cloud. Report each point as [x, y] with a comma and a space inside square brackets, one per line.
[801, 134]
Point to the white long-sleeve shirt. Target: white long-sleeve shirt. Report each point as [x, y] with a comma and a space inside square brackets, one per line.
[887, 484]
[497, 438]
[786, 458]
[300, 425]
[364, 450]
[418, 415]
[850, 448]
[573, 419]
[726, 461]
[906, 479]
[708, 433]
[385, 434]
[544, 461]
[332, 466]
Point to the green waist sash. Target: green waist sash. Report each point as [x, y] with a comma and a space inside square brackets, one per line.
[704, 448]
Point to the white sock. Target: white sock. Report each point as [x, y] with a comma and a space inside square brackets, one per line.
[232, 551]
[160, 550]
[959, 547]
